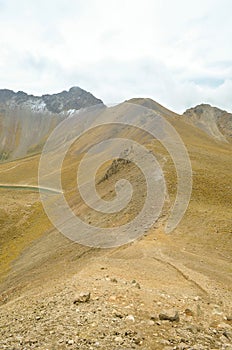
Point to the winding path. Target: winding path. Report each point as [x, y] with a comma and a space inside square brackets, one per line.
[28, 188]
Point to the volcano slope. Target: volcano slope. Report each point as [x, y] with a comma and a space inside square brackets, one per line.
[134, 288]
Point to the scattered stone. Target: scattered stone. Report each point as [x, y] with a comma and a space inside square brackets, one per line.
[138, 341]
[83, 297]
[189, 312]
[117, 314]
[193, 329]
[112, 298]
[118, 339]
[227, 335]
[182, 346]
[168, 316]
[154, 318]
[130, 318]
[197, 298]
[136, 284]
[114, 280]
[223, 326]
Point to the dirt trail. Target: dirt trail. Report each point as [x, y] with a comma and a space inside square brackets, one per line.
[130, 287]
[28, 187]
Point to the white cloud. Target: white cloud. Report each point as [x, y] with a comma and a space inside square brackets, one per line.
[176, 52]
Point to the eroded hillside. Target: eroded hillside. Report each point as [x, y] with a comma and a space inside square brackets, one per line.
[26, 120]
[132, 288]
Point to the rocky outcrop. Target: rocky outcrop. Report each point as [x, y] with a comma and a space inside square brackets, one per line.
[214, 121]
[27, 120]
[75, 98]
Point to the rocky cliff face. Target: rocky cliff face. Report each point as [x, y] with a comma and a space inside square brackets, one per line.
[212, 120]
[27, 120]
[75, 98]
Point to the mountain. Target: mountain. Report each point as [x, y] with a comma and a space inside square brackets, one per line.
[155, 106]
[161, 291]
[212, 120]
[76, 98]
[27, 120]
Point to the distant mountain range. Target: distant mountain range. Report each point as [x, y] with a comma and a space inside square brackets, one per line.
[75, 98]
[26, 120]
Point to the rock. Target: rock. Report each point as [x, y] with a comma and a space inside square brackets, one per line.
[189, 312]
[223, 326]
[229, 318]
[118, 339]
[217, 311]
[112, 298]
[138, 341]
[197, 298]
[227, 335]
[164, 342]
[154, 318]
[114, 280]
[168, 316]
[136, 284]
[193, 329]
[83, 297]
[224, 339]
[130, 318]
[117, 314]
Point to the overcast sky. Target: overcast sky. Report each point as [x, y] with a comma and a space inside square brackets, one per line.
[178, 52]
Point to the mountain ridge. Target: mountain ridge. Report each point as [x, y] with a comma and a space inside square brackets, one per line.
[213, 120]
[74, 98]
[27, 120]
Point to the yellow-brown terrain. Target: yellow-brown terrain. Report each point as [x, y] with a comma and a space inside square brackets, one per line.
[188, 271]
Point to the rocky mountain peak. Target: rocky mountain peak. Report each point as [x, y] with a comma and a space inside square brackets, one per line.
[214, 121]
[27, 120]
[75, 98]
[6, 95]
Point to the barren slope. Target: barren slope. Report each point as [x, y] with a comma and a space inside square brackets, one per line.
[188, 270]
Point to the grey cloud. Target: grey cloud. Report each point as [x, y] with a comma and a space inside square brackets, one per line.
[185, 56]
